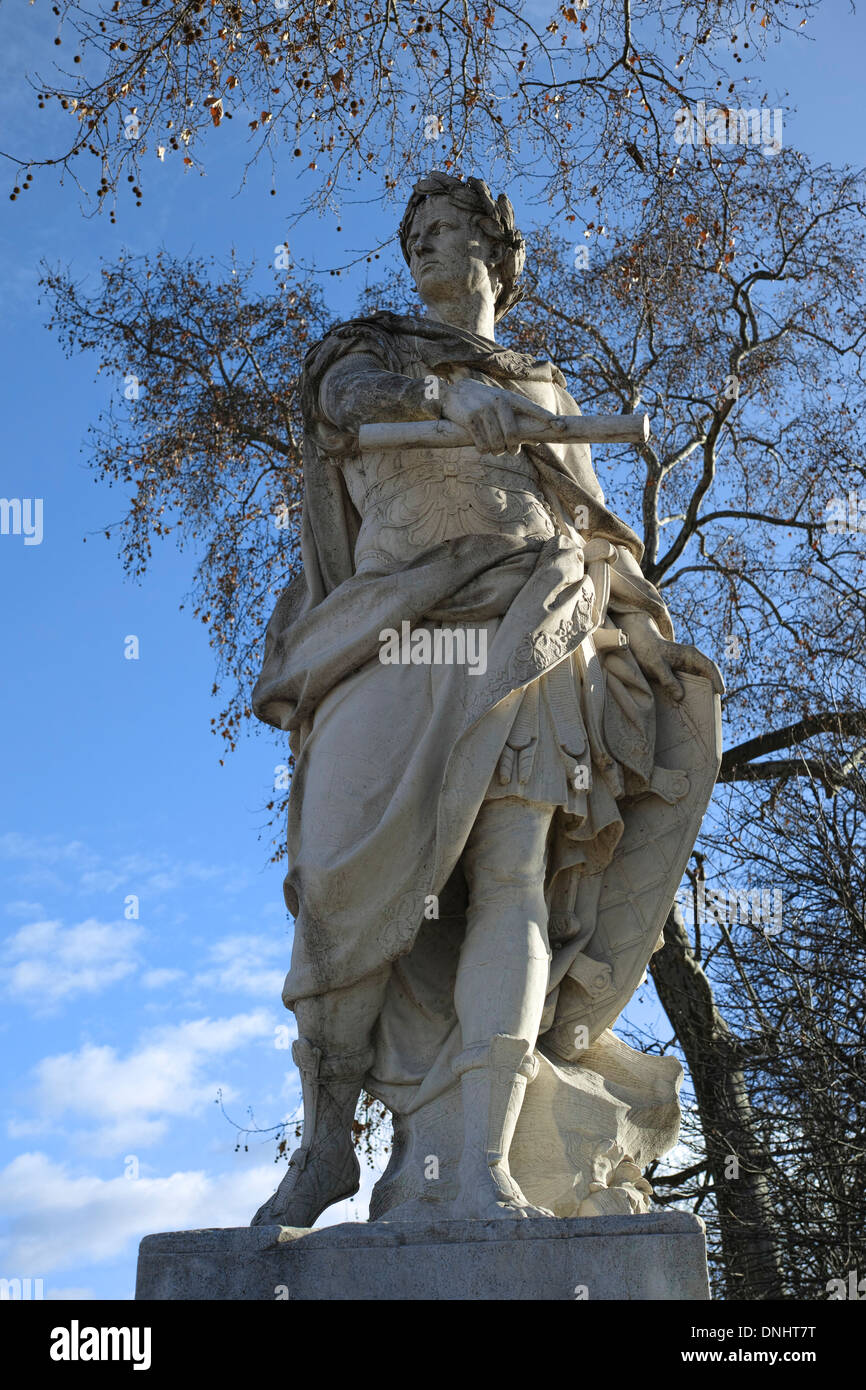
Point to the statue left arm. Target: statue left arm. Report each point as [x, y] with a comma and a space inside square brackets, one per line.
[658, 655]
[635, 605]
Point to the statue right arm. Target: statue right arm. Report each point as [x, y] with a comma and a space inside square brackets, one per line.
[356, 391]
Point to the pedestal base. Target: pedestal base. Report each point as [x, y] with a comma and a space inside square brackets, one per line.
[658, 1256]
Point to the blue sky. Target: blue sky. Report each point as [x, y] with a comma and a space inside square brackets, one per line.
[119, 1033]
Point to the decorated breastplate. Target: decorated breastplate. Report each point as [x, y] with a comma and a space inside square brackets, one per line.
[415, 500]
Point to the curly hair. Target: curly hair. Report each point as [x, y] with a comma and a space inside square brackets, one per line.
[493, 217]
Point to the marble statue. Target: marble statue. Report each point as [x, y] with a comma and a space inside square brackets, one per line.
[501, 762]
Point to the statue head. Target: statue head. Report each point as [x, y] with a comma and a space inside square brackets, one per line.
[457, 239]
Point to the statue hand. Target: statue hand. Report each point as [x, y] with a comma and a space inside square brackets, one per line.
[659, 659]
[490, 414]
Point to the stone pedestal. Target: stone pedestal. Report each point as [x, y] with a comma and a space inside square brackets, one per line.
[658, 1256]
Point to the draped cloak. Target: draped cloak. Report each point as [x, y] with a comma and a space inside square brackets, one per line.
[392, 763]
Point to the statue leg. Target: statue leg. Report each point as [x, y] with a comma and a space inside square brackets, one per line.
[502, 982]
[333, 1054]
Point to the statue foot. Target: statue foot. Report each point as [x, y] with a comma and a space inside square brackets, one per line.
[324, 1169]
[313, 1182]
[493, 1079]
[492, 1194]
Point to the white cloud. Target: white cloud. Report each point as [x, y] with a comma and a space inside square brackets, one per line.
[249, 965]
[22, 908]
[46, 962]
[60, 1221]
[152, 875]
[173, 1072]
[44, 863]
[45, 849]
[158, 979]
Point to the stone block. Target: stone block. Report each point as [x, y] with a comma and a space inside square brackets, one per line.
[659, 1256]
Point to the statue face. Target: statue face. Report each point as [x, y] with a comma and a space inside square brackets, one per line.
[448, 256]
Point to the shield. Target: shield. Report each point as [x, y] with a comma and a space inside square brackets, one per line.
[641, 881]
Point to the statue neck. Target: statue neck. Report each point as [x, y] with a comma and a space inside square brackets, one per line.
[472, 313]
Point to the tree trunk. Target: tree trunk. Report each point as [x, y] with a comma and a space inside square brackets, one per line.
[735, 1154]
